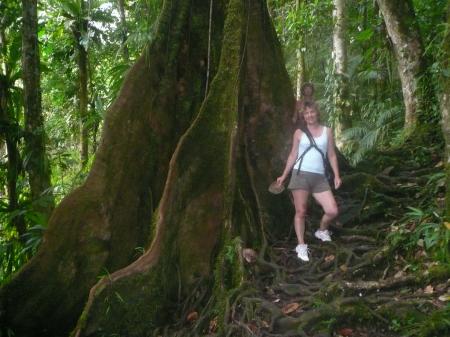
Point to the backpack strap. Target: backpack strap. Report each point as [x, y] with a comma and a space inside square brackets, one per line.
[313, 143]
[300, 158]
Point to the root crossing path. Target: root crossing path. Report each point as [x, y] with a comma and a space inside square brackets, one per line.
[360, 284]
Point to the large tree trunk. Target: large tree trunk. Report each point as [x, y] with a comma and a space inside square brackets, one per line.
[207, 192]
[102, 225]
[216, 187]
[37, 165]
[445, 109]
[341, 94]
[403, 31]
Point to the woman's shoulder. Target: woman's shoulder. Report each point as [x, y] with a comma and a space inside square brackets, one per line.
[329, 130]
[298, 133]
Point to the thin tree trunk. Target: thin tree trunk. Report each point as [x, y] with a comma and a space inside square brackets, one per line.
[11, 135]
[445, 109]
[80, 32]
[341, 94]
[301, 69]
[124, 30]
[38, 167]
[403, 31]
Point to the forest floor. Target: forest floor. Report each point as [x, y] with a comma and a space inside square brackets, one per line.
[382, 274]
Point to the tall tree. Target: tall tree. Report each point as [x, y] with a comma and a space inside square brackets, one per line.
[123, 30]
[301, 68]
[445, 108]
[80, 31]
[401, 25]
[341, 94]
[9, 127]
[78, 14]
[214, 189]
[37, 166]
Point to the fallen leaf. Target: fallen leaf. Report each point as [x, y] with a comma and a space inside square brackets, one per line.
[192, 316]
[428, 289]
[265, 324]
[213, 325]
[276, 300]
[253, 327]
[345, 332]
[329, 258]
[249, 255]
[420, 242]
[444, 298]
[289, 308]
[399, 274]
[447, 224]
[343, 268]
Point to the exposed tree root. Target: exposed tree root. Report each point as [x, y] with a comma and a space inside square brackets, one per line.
[354, 280]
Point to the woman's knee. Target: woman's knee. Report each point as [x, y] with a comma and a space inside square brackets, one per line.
[332, 212]
[300, 212]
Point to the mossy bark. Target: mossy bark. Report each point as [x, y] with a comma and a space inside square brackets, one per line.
[404, 33]
[341, 93]
[445, 110]
[217, 183]
[98, 228]
[37, 166]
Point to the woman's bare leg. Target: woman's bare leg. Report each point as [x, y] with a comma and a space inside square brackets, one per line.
[328, 203]
[300, 202]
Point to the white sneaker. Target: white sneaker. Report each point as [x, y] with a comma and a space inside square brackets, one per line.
[323, 235]
[302, 252]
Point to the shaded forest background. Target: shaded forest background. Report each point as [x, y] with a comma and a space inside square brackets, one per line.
[383, 90]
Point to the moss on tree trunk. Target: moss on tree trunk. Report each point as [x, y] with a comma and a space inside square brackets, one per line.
[99, 227]
[445, 110]
[216, 186]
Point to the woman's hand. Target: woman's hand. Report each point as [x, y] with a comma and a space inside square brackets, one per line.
[280, 180]
[337, 182]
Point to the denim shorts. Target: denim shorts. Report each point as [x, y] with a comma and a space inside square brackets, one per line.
[308, 181]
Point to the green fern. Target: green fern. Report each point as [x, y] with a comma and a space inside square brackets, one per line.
[373, 131]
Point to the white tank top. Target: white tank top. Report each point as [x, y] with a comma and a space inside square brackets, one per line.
[312, 161]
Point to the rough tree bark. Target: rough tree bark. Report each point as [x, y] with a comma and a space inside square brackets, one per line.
[216, 187]
[341, 94]
[445, 109]
[102, 225]
[37, 165]
[403, 31]
[207, 193]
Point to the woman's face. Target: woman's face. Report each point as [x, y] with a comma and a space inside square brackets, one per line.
[311, 116]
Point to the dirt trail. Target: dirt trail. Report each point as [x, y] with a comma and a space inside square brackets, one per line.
[358, 285]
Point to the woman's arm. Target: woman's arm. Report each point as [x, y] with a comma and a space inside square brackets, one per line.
[292, 156]
[332, 157]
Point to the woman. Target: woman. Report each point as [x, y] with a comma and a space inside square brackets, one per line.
[307, 95]
[311, 178]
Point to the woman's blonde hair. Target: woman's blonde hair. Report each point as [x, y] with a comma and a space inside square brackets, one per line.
[305, 105]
